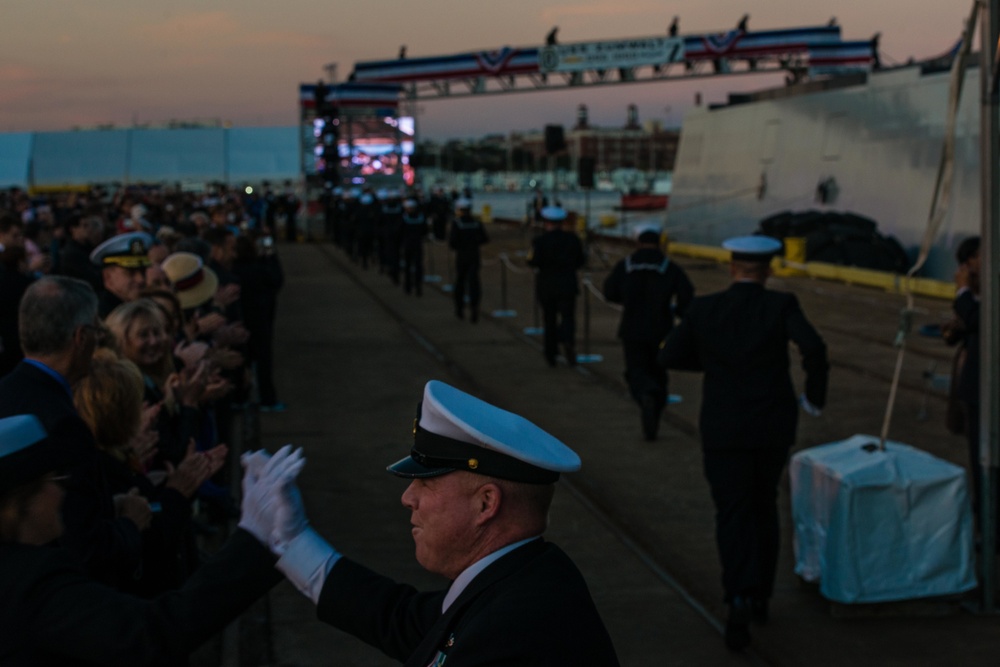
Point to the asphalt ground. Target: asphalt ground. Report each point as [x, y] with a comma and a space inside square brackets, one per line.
[353, 353]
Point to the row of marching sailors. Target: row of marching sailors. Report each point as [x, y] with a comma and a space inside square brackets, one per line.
[394, 230]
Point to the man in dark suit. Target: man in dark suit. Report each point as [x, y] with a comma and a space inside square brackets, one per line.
[59, 329]
[85, 233]
[482, 482]
[654, 291]
[739, 339]
[558, 255]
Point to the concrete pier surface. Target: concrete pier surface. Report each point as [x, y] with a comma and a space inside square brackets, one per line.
[353, 353]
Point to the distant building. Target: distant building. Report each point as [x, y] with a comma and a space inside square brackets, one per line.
[645, 147]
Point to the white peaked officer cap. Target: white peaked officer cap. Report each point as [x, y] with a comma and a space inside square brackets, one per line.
[457, 431]
[129, 250]
[554, 213]
[366, 198]
[752, 248]
[462, 202]
[410, 203]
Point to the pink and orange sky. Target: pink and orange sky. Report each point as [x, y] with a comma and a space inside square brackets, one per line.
[66, 63]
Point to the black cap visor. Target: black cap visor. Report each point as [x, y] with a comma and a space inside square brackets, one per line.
[410, 468]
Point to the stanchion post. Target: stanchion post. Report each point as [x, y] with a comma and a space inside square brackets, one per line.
[535, 329]
[504, 311]
[450, 286]
[587, 357]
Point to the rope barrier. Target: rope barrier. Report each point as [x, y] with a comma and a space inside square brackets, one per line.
[938, 208]
[513, 268]
[596, 292]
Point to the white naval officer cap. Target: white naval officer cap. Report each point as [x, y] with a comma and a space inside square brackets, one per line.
[553, 213]
[463, 203]
[752, 248]
[129, 250]
[456, 431]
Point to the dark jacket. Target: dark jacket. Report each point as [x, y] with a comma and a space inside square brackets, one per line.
[74, 261]
[13, 285]
[465, 237]
[653, 291]
[557, 255]
[966, 308]
[739, 339]
[53, 614]
[109, 547]
[530, 607]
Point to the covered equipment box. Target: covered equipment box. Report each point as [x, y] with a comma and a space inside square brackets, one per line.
[878, 526]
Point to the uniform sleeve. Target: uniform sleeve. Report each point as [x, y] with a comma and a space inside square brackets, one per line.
[390, 616]
[680, 350]
[813, 351]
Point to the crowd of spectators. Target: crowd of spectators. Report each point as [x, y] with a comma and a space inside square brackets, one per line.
[153, 310]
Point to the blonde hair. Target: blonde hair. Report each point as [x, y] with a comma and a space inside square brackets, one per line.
[109, 400]
[121, 320]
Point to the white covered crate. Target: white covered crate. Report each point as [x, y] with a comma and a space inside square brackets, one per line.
[877, 526]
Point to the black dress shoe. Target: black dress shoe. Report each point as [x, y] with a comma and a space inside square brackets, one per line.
[738, 625]
[758, 611]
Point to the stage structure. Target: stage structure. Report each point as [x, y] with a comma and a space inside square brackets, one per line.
[351, 135]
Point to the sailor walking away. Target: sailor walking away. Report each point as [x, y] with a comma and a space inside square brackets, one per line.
[739, 339]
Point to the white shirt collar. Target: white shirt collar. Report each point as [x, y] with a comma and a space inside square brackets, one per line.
[471, 572]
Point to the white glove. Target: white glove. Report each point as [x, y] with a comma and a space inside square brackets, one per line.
[289, 513]
[808, 407]
[262, 478]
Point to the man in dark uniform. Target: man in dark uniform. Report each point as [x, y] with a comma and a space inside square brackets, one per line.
[739, 339]
[558, 255]
[654, 291]
[466, 235]
[439, 208]
[482, 480]
[414, 234]
[123, 260]
[390, 230]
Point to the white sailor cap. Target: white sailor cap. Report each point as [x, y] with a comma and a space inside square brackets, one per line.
[554, 213]
[410, 203]
[25, 451]
[752, 248]
[129, 250]
[338, 191]
[367, 198]
[456, 431]
[648, 233]
[462, 202]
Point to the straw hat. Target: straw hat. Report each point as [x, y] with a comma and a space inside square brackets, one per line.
[193, 282]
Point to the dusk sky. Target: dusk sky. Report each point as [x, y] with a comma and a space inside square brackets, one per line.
[70, 63]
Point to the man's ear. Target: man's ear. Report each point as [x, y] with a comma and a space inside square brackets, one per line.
[489, 498]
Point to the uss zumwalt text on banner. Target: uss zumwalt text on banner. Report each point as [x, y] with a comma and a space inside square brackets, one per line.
[618, 53]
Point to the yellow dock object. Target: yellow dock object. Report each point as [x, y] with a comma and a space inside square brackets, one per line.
[795, 257]
[487, 216]
[608, 220]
